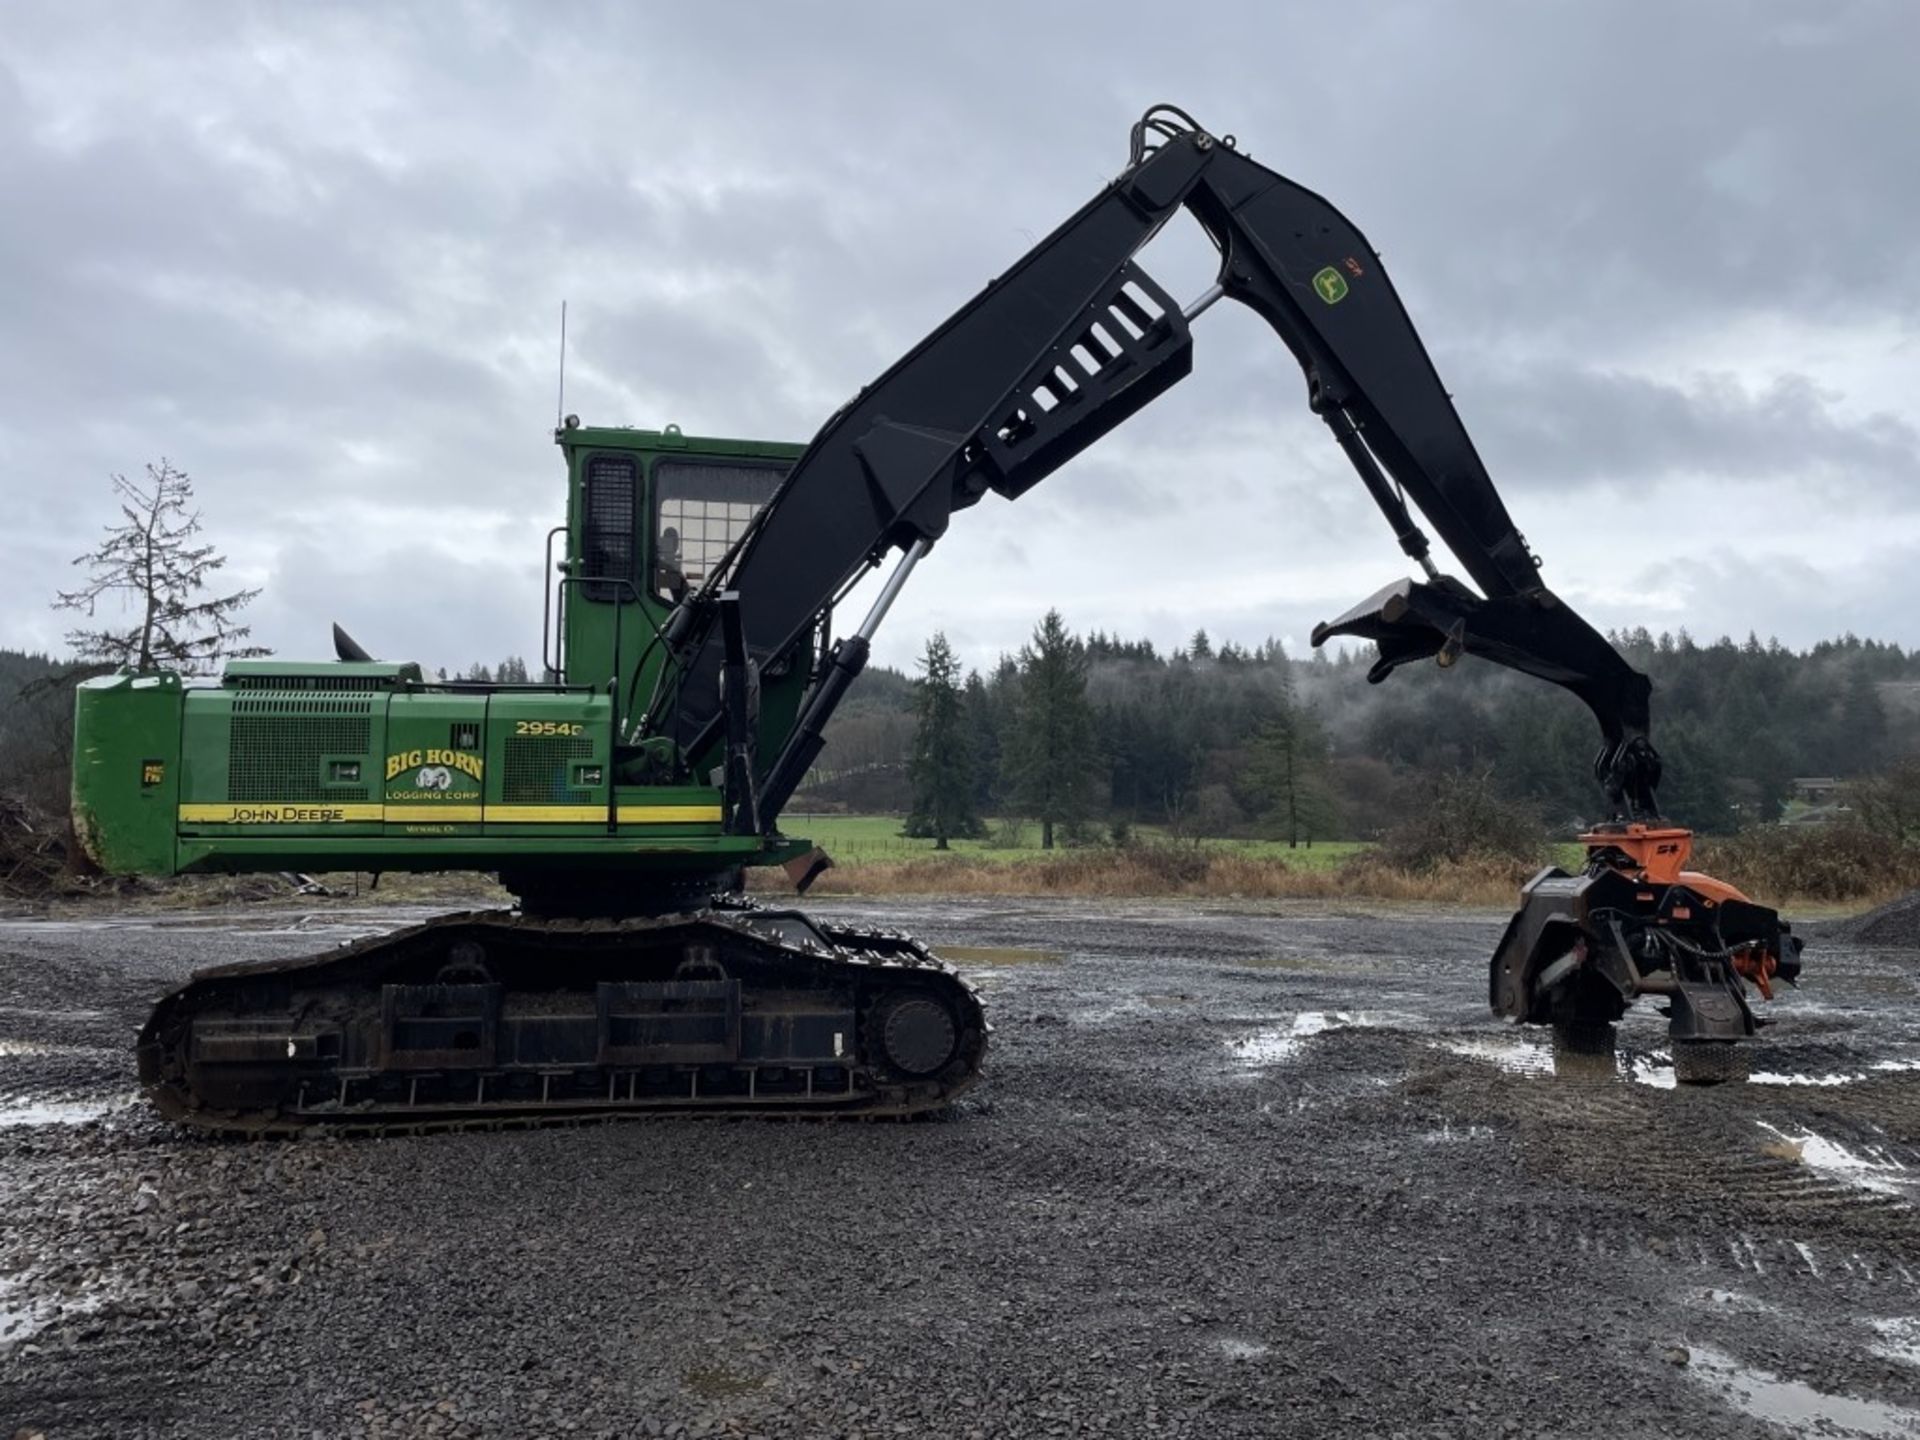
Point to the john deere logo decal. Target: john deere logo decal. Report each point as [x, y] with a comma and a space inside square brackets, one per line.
[1331, 284]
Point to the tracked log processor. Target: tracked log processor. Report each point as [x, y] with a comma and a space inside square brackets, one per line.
[690, 666]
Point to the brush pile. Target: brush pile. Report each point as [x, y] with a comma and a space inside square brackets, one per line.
[33, 853]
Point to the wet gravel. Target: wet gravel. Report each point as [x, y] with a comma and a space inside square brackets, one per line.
[1233, 1171]
[1895, 925]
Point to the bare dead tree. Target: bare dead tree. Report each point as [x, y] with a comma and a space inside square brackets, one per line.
[152, 562]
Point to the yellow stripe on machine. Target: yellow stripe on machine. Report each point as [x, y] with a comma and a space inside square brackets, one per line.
[546, 814]
[597, 814]
[669, 814]
[429, 814]
[628, 815]
[304, 813]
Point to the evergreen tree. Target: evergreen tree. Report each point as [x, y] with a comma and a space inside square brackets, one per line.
[941, 768]
[1769, 766]
[1051, 757]
[1694, 786]
[150, 561]
[980, 718]
[1200, 647]
[1863, 722]
[1288, 774]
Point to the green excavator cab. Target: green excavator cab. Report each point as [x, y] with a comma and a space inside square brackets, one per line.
[357, 764]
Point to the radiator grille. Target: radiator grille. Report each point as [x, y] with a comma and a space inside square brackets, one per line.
[298, 705]
[278, 747]
[539, 768]
[329, 683]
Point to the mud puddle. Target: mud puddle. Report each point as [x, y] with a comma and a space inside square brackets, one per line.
[22, 1048]
[1511, 1054]
[20, 1111]
[1863, 1166]
[1798, 1408]
[1276, 1044]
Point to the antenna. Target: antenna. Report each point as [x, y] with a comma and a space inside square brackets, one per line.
[560, 405]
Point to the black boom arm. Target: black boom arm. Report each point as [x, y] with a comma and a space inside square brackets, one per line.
[1073, 340]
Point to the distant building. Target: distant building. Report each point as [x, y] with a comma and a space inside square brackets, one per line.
[1815, 789]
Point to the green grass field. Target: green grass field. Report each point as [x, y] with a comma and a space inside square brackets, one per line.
[856, 839]
[876, 839]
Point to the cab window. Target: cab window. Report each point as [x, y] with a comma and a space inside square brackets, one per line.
[700, 509]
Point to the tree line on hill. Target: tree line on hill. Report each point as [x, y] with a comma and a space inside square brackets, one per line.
[1089, 732]
[1217, 739]
[1220, 739]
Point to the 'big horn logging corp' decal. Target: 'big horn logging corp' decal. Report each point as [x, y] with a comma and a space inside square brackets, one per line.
[436, 768]
[433, 775]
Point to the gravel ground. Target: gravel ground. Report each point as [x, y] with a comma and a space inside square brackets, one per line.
[1897, 923]
[1232, 1171]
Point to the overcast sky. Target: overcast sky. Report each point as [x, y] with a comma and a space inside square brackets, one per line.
[1666, 256]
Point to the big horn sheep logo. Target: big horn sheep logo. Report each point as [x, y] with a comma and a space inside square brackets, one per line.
[434, 777]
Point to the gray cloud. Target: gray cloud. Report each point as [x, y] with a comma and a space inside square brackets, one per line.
[316, 256]
[1551, 424]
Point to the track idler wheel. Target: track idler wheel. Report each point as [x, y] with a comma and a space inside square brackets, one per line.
[914, 1033]
[1710, 1062]
[466, 964]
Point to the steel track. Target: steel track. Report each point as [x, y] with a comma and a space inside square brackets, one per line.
[839, 958]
